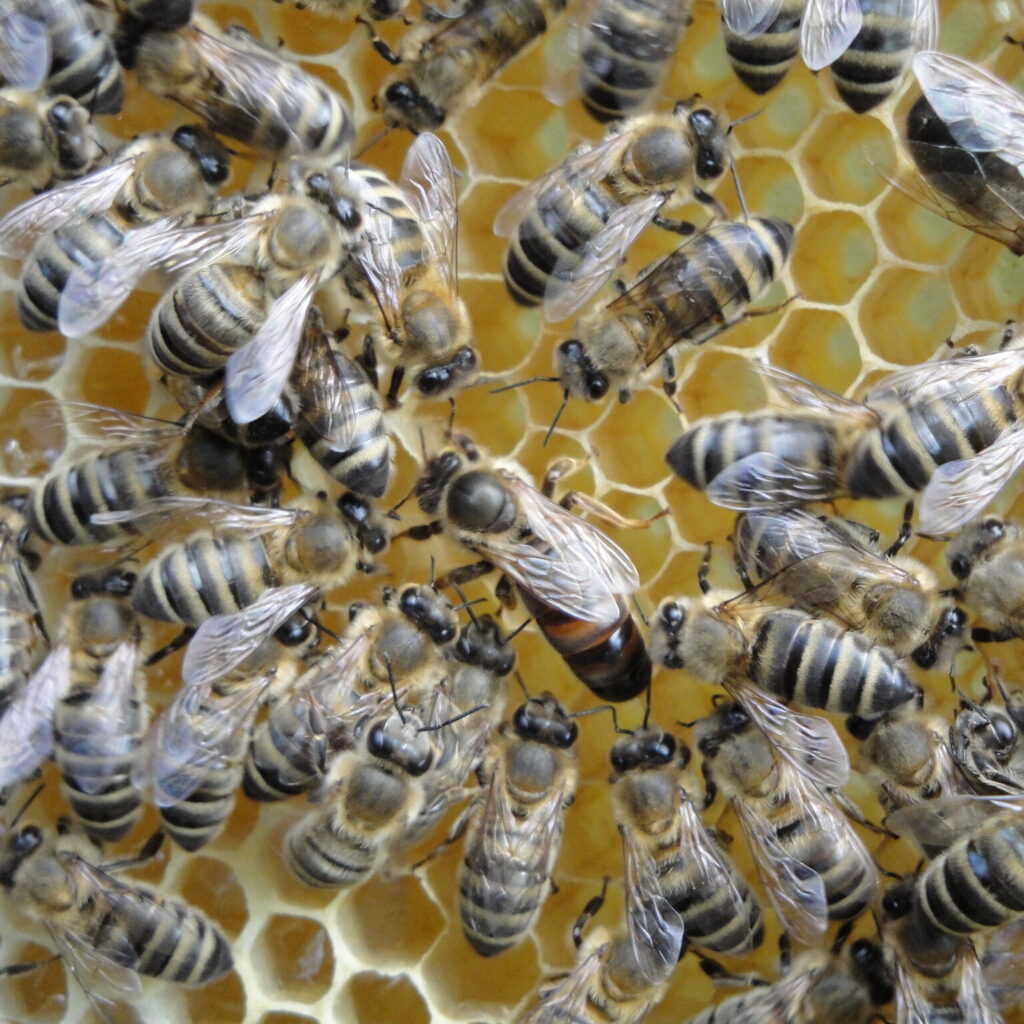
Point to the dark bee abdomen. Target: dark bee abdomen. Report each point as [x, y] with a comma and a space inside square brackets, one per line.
[46, 272]
[762, 62]
[610, 658]
[211, 313]
[978, 883]
[204, 576]
[21, 637]
[327, 856]
[283, 759]
[816, 663]
[625, 53]
[900, 457]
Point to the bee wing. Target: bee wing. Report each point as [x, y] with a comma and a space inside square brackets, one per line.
[827, 29]
[569, 999]
[580, 572]
[82, 425]
[186, 509]
[377, 260]
[24, 51]
[749, 18]
[428, 181]
[960, 491]
[224, 641]
[94, 291]
[911, 1006]
[38, 216]
[809, 743]
[764, 480]
[982, 113]
[936, 824]
[975, 996]
[329, 395]
[961, 378]
[571, 287]
[88, 965]
[924, 16]
[805, 394]
[1003, 965]
[257, 373]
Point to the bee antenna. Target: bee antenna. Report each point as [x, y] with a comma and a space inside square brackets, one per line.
[423, 444]
[640, 611]
[391, 683]
[647, 709]
[743, 119]
[27, 804]
[392, 513]
[515, 632]
[468, 605]
[372, 141]
[739, 190]
[433, 577]
[451, 418]
[523, 383]
[454, 719]
[558, 416]
[522, 685]
[598, 710]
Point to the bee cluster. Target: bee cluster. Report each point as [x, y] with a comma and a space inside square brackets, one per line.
[324, 697]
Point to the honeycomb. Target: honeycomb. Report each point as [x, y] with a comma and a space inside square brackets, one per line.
[881, 281]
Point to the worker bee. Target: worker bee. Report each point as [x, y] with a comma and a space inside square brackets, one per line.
[101, 925]
[961, 137]
[44, 139]
[619, 974]
[693, 294]
[986, 741]
[570, 576]
[813, 865]
[987, 558]
[868, 43]
[665, 843]
[823, 566]
[398, 643]
[340, 418]
[59, 43]
[239, 87]
[447, 64]
[514, 828]
[86, 221]
[938, 976]
[571, 229]
[408, 265]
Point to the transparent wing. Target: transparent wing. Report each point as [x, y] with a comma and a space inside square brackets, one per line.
[26, 728]
[90, 966]
[1003, 964]
[224, 641]
[82, 425]
[327, 388]
[220, 515]
[805, 394]
[655, 927]
[749, 18]
[960, 378]
[981, 112]
[569, 999]
[379, 264]
[257, 373]
[809, 743]
[24, 51]
[827, 29]
[960, 491]
[924, 16]
[572, 285]
[975, 998]
[764, 480]
[939, 823]
[571, 565]
[428, 181]
[911, 1006]
[27, 223]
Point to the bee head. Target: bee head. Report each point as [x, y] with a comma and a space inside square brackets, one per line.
[439, 470]
[646, 748]
[973, 543]
[544, 720]
[712, 157]
[209, 153]
[871, 967]
[424, 607]
[947, 634]
[481, 643]
[390, 739]
[577, 374]
[438, 380]
[405, 106]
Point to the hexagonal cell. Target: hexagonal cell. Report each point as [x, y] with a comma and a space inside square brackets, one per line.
[506, 336]
[27, 450]
[648, 418]
[819, 342]
[39, 994]
[104, 371]
[718, 382]
[847, 156]
[313, 34]
[295, 958]
[783, 122]
[771, 187]
[211, 885]
[481, 251]
[852, 257]
[284, 1017]
[222, 1001]
[382, 936]
[27, 356]
[589, 854]
[905, 314]
[986, 279]
[912, 231]
[698, 520]
[371, 998]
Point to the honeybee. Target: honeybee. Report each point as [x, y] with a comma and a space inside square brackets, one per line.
[447, 65]
[340, 418]
[514, 828]
[987, 558]
[239, 87]
[846, 987]
[570, 576]
[106, 927]
[938, 977]
[408, 264]
[571, 229]
[60, 44]
[868, 43]
[986, 741]
[665, 845]
[960, 135]
[823, 566]
[692, 295]
[86, 221]
[120, 462]
[397, 643]
[44, 139]
[813, 865]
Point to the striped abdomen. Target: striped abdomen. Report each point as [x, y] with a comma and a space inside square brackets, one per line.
[206, 575]
[900, 456]
[44, 274]
[977, 884]
[818, 664]
[286, 754]
[762, 62]
[609, 657]
[627, 48]
[869, 70]
[207, 316]
[22, 640]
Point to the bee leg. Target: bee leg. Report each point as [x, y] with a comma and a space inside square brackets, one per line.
[853, 812]
[30, 965]
[710, 786]
[593, 906]
[379, 44]
[721, 975]
[368, 360]
[559, 468]
[577, 499]
[677, 227]
[981, 635]
[464, 574]
[422, 532]
[1013, 42]
[175, 645]
[457, 832]
[668, 380]
[143, 857]
[506, 593]
[906, 531]
[397, 376]
[709, 200]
